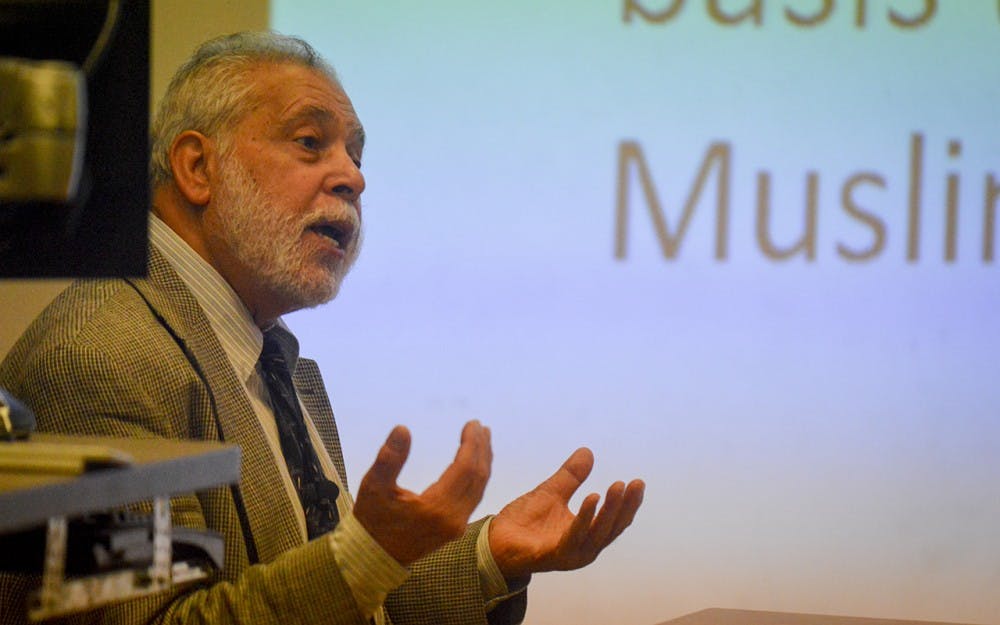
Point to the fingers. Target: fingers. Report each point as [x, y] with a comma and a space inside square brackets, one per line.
[634, 493]
[473, 459]
[620, 506]
[464, 481]
[391, 457]
[603, 526]
[579, 530]
[592, 530]
[476, 450]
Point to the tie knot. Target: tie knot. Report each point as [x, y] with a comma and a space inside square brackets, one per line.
[281, 349]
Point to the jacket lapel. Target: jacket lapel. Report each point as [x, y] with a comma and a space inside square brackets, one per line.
[269, 511]
[312, 392]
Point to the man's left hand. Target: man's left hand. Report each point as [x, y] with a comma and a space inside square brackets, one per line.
[537, 531]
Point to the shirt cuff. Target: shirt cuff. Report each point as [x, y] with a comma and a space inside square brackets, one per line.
[368, 570]
[490, 578]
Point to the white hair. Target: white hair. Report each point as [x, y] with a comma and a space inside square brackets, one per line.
[212, 91]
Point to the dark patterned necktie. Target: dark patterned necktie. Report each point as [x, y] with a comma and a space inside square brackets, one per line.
[317, 494]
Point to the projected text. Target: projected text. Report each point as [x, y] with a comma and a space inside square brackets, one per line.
[715, 170]
[904, 16]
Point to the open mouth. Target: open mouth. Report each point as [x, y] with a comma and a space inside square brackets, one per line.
[339, 233]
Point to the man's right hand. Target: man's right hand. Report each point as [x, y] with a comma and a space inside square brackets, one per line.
[410, 525]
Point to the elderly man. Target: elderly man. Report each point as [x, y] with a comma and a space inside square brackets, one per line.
[256, 213]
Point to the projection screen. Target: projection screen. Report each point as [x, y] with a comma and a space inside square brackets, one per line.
[745, 250]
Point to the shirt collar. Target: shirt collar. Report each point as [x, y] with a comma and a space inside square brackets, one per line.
[233, 324]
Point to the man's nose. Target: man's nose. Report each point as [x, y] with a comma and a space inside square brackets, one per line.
[346, 180]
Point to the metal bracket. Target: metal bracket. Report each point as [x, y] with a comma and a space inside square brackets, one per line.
[59, 596]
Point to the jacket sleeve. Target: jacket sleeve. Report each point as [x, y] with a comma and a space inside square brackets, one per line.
[302, 586]
[444, 589]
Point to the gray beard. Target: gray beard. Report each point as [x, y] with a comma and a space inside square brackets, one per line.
[267, 239]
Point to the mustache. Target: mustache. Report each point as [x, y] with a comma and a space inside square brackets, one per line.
[340, 221]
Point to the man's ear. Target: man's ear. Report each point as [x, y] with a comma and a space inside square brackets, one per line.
[190, 156]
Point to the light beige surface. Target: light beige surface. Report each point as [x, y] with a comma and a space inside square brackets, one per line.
[180, 25]
[69, 456]
[720, 616]
[29, 495]
[177, 27]
[20, 302]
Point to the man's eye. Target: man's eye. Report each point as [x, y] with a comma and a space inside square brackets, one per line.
[309, 142]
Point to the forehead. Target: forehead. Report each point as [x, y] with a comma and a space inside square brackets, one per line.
[286, 94]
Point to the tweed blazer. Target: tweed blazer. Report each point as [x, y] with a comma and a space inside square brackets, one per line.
[138, 358]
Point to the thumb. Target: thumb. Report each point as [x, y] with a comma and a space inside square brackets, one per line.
[391, 457]
[571, 474]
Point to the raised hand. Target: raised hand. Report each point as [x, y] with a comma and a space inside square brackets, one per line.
[407, 525]
[537, 531]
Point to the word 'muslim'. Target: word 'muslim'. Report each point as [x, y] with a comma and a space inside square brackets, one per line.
[717, 163]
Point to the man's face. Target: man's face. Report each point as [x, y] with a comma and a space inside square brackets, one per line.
[286, 224]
